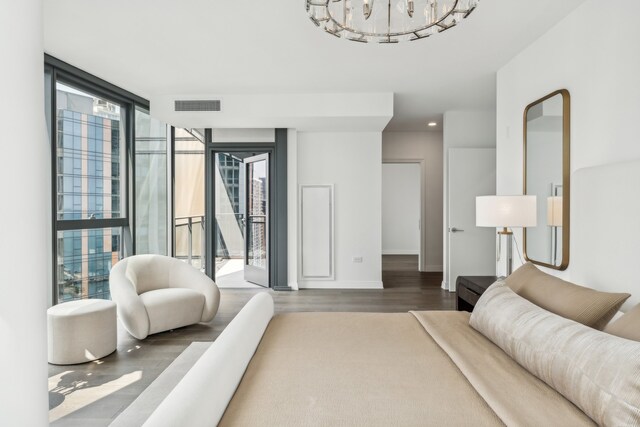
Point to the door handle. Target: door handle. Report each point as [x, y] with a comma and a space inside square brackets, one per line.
[454, 230]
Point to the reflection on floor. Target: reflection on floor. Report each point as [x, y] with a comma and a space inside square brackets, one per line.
[93, 394]
[401, 271]
[230, 274]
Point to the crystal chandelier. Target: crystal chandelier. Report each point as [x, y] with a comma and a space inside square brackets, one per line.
[387, 21]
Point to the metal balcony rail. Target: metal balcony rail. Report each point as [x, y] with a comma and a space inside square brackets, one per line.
[190, 222]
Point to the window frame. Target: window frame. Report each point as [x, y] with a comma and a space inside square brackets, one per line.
[65, 73]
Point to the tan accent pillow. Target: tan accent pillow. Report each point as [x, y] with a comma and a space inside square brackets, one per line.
[584, 305]
[628, 326]
[597, 372]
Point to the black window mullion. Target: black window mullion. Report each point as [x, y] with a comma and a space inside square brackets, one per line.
[130, 179]
[89, 224]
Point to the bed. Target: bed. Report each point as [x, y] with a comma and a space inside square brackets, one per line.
[518, 360]
[404, 369]
[511, 363]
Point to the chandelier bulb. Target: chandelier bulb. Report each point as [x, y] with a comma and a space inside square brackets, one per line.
[366, 9]
[410, 8]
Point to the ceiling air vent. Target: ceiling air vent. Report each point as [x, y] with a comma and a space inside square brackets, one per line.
[197, 105]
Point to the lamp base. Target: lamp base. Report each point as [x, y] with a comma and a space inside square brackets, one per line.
[509, 235]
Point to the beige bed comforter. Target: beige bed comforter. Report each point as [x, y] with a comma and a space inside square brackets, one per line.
[404, 369]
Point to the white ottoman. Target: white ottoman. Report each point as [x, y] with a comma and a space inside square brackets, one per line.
[81, 331]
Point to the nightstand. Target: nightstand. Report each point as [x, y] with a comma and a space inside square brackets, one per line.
[469, 289]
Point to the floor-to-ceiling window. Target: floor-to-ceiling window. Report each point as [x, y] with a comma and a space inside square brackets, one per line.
[90, 188]
[189, 211]
[92, 125]
[151, 184]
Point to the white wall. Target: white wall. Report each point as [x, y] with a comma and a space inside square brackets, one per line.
[600, 68]
[401, 208]
[463, 129]
[426, 147]
[25, 187]
[352, 162]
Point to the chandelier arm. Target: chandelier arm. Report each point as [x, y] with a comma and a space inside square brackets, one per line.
[389, 19]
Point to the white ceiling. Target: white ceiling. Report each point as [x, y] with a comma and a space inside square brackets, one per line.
[196, 47]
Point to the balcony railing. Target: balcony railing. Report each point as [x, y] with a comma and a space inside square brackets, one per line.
[190, 242]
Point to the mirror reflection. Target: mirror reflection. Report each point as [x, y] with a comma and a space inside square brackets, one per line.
[546, 176]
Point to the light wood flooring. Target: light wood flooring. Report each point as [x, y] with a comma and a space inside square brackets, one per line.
[93, 394]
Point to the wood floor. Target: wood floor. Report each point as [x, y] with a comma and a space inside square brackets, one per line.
[93, 394]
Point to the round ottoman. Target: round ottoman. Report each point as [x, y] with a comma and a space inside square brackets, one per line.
[81, 331]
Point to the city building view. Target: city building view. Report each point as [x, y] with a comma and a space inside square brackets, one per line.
[88, 187]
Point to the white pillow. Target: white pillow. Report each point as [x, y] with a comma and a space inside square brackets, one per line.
[597, 372]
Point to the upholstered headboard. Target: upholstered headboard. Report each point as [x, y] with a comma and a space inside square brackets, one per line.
[605, 228]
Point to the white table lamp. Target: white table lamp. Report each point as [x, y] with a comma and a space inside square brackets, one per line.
[506, 212]
[554, 219]
[554, 211]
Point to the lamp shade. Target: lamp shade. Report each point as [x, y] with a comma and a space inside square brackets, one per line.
[554, 211]
[506, 211]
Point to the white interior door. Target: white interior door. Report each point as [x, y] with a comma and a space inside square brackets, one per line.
[472, 250]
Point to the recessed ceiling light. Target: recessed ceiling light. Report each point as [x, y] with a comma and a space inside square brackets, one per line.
[432, 124]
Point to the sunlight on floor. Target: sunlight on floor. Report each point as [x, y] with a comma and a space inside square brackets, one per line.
[77, 390]
[231, 275]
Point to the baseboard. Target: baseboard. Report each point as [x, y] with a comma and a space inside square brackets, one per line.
[400, 252]
[434, 268]
[333, 284]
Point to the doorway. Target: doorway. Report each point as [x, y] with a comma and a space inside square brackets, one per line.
[246, 201]
[241, 220]
[401, 216]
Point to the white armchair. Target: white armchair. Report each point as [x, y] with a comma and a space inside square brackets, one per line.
[155, 293]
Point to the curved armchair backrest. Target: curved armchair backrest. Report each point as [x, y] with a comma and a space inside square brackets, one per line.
[131, 310]
[138, 274]
[148, 272]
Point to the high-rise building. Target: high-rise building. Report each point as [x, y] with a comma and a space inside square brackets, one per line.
[88, 187]
[258, 228]
[230, 206]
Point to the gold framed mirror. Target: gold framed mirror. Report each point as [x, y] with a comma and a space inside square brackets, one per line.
[547, 175]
